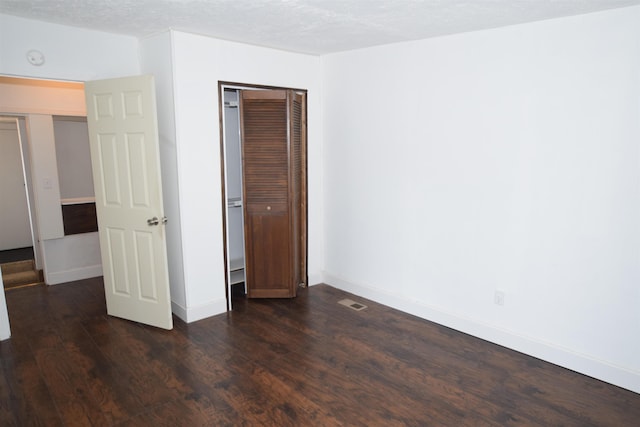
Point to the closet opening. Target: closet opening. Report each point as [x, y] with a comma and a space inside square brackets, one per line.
[264, 190]
[233, 188]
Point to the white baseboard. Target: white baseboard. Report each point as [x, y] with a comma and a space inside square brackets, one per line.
[5, 328]
[548, 352]
[179, 310]
[315, 279]
[72, 275]
[193, 314]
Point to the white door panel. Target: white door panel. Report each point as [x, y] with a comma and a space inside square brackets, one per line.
[121, 115]
[15, 226]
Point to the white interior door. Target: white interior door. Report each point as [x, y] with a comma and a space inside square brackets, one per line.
[123, 135]
[15, 227]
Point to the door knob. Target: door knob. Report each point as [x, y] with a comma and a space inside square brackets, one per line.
[164, 220]
[153, 221]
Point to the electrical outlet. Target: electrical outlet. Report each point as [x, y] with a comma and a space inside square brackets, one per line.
[498, 298]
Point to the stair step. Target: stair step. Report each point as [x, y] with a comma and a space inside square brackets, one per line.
[17, 266]
[20, 278]
[20, 273]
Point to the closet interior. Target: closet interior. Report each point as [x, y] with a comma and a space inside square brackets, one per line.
[233, 186]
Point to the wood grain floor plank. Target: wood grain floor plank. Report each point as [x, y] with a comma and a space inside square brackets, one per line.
[305, 361]
[30, 401]
[130, 360]
[66, 383]
[104, 379]
[7, 402]
[430, 368]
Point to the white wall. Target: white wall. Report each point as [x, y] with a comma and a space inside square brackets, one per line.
[73, 257]
[156, 56]
[70, 53]
[505, 159]
[73, 157]
[44, 173]
[199, 63]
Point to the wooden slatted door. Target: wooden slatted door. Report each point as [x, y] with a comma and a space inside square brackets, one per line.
[272, 131]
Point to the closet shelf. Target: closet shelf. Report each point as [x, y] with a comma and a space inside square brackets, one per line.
[234, 202]
[236, 273]
[236, 264]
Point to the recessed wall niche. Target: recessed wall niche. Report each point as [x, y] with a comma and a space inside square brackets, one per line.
[74, 174]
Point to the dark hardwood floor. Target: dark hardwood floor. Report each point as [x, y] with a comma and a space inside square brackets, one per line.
[301, 362]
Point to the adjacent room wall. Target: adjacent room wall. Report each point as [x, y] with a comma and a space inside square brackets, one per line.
[44, 173]
[20, 95]
[507, 160]
[65, 258]
[73, 157]
[199, 63]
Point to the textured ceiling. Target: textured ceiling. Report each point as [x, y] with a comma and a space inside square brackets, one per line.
[310, 26]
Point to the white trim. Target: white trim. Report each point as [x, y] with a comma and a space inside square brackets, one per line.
[5, 328]
[10, 109]
[193, 314]
[553, 353]
[315, 279]
[73, 274]
[77, 200]
[179, 310]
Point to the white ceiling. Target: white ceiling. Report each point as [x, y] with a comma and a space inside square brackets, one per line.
[309, 26]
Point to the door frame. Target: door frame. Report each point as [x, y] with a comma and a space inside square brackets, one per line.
[25, 162]
[222, 85]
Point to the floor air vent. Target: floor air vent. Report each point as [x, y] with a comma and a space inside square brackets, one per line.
[352, 304]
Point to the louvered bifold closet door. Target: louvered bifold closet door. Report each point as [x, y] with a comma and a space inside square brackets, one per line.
[271, 244]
